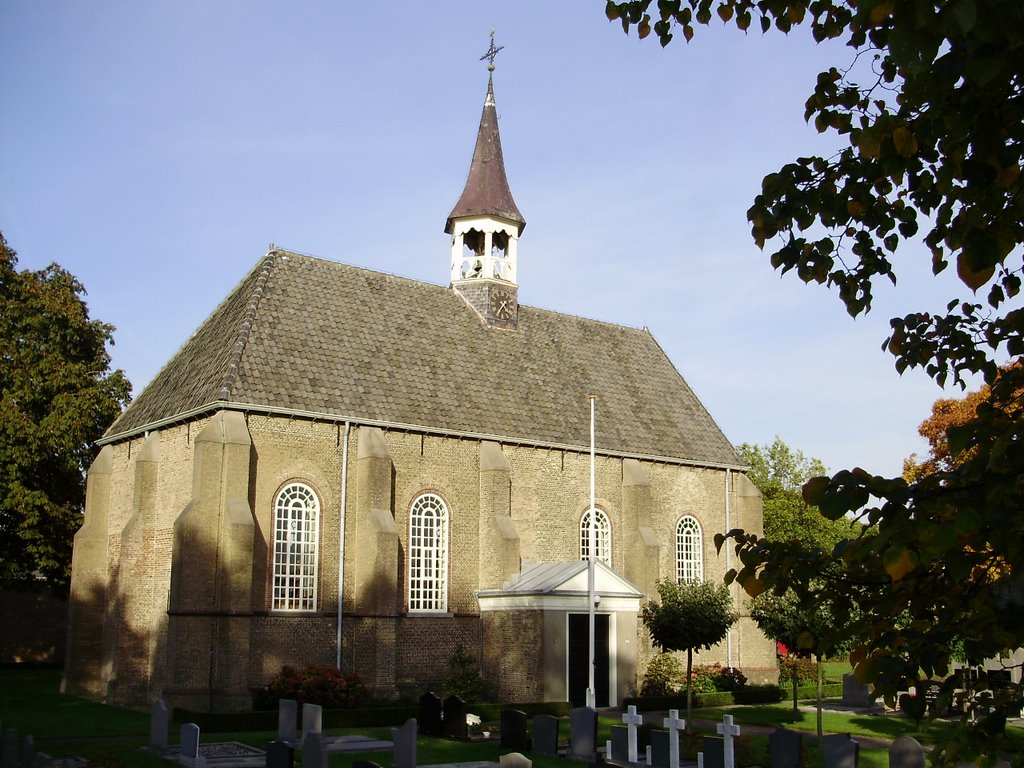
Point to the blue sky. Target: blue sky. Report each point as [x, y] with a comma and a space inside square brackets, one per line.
[155, 150]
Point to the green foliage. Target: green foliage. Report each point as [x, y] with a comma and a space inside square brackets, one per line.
[691, 616]
[57, 396]
[324, 685]
[663, 676]
[464, 678]
[929, 103]
[805, 671]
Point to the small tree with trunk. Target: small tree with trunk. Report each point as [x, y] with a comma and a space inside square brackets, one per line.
[693, 615]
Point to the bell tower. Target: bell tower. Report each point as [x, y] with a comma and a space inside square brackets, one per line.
[485, 224]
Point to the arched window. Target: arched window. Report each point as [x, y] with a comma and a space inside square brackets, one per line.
[603, 535]
[428, 554]
[296, 538]
[689, 550]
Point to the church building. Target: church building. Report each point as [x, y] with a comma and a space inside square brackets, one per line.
[345, 467]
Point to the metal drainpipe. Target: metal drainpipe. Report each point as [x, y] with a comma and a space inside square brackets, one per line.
[728, 551]
[341, 536]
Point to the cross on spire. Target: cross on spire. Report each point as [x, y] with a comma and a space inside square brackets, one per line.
[492, 51]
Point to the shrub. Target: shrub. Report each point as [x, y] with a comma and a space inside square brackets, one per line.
[663, 677]
[805, 670]
[464, 678]
[759, 694]
[730, 679]
[324, 685]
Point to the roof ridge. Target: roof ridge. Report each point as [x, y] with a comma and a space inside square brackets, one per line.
[242, 338]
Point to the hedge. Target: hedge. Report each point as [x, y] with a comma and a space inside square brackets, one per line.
[362, 717]
[751, 694]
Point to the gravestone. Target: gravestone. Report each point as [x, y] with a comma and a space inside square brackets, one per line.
[365, 764]
[513, 730]
[287, 720]
[713, 749]
[312, 719]
[785, 748]
[661, 750]
[514, 760]
[675, 724]
[856, 694]
[159, 721]
[429, 719]
[9, 752]
[906, 752]
[43, 760]
[545, 735]
[932, 689]
[314, 750]
[840, 751]
[728, 730]
[28, 752]
[280, 754]
[583, 734]
[189, 740]
[404, 740]
[618, 748]
[632, 720]
[453, 723]
[999, 679]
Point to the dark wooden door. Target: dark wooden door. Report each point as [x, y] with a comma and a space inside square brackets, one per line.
[578, 649]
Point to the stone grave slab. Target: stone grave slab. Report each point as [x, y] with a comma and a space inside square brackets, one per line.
[453, 723]
[314, 750]
[312, 719]
[280, 754]
[618, 747]
[583, 734]
[785, 748]
[856, 694]
[159, 723]
[357, 744]
[28, 752]
[188, 749]
[514, 730]
[840, 751]
[713, 749]
[661, 750]
[906, 752]
[430, 714]
[287, 720]
[545, 735]
[404, 739]
[515, 760]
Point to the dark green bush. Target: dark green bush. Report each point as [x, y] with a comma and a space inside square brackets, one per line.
[464, 679]
[759, 694]
[664, 676]
[805, 670]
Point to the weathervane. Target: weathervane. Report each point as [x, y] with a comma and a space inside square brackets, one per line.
[491, 53]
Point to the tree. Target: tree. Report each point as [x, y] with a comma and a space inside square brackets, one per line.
[779, 472]
[57, 396]
[934, 135]
[692, 615]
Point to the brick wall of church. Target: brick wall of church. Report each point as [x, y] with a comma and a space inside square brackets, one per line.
[514, 654]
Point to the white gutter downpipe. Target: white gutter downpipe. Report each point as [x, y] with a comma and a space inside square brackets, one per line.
[728, 553]
[591, 586]
[341, 537]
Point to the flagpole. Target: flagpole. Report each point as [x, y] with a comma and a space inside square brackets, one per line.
[591, 586]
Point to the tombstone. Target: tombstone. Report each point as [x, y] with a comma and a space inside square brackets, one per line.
[618, 748]
[675, 724]
[287, 720]
[314, 750]
[42, 760]
[365, 764]
[280, 754]
[727, 730]
[9, 752]
[661, 750]
[583, 734]
[514, 760]
[404, 740]
[999, 679]
[430, 714]
[189, 740]
[840, 751]
[713, 751]
[513, 730]
[28, 752]
[545, 735]
[785, 748]
[932, 689]
[312, 719]
[856, 694]
[159, 721]
[454, 723]
[906, 752]
[632, 720]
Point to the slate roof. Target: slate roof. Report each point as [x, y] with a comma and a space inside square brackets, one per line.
[313, 337]
[487, 190]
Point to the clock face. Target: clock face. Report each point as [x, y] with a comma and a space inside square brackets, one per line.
[503, 304]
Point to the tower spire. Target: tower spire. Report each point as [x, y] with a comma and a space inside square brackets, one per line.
[485, 223]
